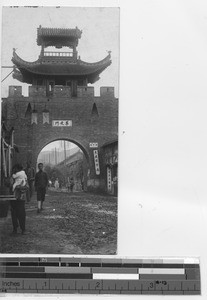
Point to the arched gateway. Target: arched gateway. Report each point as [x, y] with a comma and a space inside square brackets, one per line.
[61, 105]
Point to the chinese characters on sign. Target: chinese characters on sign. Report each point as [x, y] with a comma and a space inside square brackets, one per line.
[61, 123]
[109, 179]
[96, 161]
[93, 145]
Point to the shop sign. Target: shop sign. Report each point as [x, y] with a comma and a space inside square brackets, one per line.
[61, 123]
[96, 161]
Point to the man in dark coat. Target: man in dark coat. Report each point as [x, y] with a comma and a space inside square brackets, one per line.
[30, 179]
[41, 183]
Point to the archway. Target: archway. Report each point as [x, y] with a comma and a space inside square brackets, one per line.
[66, 163]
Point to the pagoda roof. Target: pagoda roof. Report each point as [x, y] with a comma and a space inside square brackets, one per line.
[58, 36]
[67, 67]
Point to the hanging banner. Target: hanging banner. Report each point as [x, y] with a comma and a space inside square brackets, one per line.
[45, 117]
[96, 161]
[4, 159]
[9, 161]
[34, 118]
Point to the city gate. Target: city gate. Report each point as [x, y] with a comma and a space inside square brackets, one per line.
[60, 104]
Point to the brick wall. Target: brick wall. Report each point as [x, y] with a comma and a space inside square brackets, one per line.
[87, 127]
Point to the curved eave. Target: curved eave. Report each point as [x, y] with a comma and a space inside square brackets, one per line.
[62, 67]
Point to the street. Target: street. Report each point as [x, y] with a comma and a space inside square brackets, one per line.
[70, 223]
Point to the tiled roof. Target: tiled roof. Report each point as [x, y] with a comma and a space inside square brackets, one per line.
[110, 143]
[61, 68]
[45, 32]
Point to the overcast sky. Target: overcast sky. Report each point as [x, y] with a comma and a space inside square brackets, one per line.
[59, 145]
[100, 33]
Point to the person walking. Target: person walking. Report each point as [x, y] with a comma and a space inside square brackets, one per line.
[30, 178]
[57, 184]
[71, 184]
[68, 186]
[41, 183]
[18, 213]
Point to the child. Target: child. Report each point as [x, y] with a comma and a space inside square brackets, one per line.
[20, 178]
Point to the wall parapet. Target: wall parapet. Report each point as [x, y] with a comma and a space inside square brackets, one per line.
[62, 91]
[107, 91]
[85, 91]
[37, 90]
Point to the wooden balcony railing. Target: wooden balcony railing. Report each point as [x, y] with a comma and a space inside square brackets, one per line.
[58, 54]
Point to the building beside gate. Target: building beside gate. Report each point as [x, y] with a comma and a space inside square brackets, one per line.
[75, 167]
[8, 150]
[61, 104]
[111, 166]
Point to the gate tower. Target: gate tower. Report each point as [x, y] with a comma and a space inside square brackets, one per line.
[60, 104]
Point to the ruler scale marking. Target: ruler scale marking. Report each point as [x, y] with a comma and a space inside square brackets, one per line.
[100, 275]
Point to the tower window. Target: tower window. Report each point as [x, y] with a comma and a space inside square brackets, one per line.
[50, 88]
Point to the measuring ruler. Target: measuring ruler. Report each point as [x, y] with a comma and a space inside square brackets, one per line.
[94, 275]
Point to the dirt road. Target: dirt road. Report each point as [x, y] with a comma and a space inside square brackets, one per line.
[78, 223]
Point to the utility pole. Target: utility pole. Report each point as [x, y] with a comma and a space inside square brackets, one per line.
[55, 156]
[64, 153]
[65, 156]
[68, 149]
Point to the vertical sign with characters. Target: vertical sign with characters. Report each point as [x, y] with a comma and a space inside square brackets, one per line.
[109, 179]
[96, 161]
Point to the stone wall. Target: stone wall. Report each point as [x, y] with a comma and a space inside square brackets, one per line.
[94, 119]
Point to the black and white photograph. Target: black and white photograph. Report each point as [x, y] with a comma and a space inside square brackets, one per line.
[103, 149]
[59, 141]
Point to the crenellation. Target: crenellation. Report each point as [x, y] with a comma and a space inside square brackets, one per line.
[61, 91]
[15, 91]
[36, 90]
[85, 91]
[107, 91]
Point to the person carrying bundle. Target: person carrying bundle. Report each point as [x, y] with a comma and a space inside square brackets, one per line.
[19, 188]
